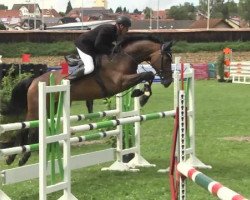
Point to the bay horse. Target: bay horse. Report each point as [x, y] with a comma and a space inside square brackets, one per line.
[115, 74]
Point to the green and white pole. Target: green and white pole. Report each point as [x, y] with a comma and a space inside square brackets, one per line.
[73, 140]
[35, 123]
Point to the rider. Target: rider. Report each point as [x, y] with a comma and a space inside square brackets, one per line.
[99, 41]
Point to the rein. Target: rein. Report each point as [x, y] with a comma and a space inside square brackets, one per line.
[161, 71]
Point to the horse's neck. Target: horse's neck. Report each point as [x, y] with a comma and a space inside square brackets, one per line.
[141, 51]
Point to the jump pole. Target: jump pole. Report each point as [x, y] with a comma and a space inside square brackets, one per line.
[186, 170]
[214, 187]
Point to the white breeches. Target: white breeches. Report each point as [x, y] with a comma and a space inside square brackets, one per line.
[87, 60]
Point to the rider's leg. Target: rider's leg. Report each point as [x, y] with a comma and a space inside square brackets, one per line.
[87, 60]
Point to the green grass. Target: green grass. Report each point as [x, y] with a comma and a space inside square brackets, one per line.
[13, 50]
[222, 110]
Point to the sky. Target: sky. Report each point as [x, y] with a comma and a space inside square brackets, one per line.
[60, 5]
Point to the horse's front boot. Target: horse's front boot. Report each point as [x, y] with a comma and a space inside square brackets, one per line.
[137, 93]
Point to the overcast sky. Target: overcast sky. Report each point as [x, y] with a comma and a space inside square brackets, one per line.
[60, 5]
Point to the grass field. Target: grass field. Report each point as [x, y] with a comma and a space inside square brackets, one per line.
[222, 111]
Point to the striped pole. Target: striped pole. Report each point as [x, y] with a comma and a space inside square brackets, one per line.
[121, 121]
[207, 183]
[35, 147]
[34, 124]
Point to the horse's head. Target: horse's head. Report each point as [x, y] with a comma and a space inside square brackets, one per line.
[150, 49]
[161, 61]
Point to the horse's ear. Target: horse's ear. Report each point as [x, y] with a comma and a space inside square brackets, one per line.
[166, 47]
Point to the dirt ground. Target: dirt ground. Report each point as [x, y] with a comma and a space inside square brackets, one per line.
[238, 138]
[201, 57]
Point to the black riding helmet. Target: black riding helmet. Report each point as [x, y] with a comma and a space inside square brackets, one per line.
[125, 21]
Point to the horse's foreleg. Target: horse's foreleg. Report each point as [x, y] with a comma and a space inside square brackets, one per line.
[132, 80]
[147, 92]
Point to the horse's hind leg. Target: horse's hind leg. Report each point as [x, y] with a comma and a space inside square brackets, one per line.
[21, 138]
[89, 105]
[32, 138]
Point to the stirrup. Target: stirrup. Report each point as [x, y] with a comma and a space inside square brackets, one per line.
[72, 60]
[77, 74]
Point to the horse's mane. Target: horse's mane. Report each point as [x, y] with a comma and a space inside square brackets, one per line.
[132, 38]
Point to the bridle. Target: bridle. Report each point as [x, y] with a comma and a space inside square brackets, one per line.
[167, 52]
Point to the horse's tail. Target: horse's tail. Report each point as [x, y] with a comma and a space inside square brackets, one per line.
[18, 101]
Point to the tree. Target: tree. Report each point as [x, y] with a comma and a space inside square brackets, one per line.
[69, 8]
[219, 8]
[125, 10]
[3, 7]
[147, 12]
[232, 7]
[2, 27]
[186, 11]
[244, 9]
[62, 14]
[118, 9]
[111, 10]
[136, 11]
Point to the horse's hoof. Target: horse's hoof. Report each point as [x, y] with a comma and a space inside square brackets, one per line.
[143, 100]
[128, 157]
[137, 93]
[22, 162]
[9, 160]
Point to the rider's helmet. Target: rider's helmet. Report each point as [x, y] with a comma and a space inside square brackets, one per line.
[125, 21]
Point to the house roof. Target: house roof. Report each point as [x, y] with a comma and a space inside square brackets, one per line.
[30, 7]
[213, 23]
[163, 24]
[66, 20]
[161, 14]
[88, 11]
[51, 12]
[10, 14]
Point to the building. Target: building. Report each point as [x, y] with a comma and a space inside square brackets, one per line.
[101, 3]
[50, 13]
[10, 16]
[28, 10]
[213, 23]
[147, 24]
[87, 14]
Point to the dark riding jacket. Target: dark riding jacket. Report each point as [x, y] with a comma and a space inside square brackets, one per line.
[98, 41]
